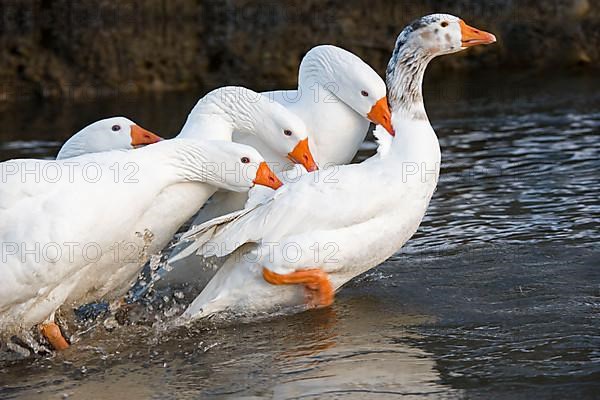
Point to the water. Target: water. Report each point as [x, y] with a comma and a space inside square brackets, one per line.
[496, 296]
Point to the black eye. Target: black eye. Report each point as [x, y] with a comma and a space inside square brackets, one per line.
[364, 93]
[245, 160]
[287, 132]
[444, 24]
[116, 128]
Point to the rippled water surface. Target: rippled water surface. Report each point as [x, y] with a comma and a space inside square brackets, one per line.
[496, 296]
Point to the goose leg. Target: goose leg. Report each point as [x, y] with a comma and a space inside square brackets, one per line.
[315, 281]
[51, 331]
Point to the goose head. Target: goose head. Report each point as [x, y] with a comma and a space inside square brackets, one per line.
[350, 80]
[234, 110]
[439, 34]
[285, 133]
[421, 41]
[236, 167]
[117, 133]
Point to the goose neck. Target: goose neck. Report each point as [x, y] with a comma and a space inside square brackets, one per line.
[316, 68]
[185, 160]
[221, 112]
[74, 147]
[415, 139]
[404, 78]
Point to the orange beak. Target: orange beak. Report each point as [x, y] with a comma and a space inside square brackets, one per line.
[473, 37]
[266, 177]
[141, 137]
[302, 155]
[380, 114]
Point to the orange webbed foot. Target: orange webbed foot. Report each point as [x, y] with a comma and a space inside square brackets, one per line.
[52, 332]
[317, 283]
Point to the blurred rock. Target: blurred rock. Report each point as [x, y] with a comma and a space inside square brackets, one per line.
[96, 48]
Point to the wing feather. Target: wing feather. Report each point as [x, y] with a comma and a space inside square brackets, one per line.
[309, 204]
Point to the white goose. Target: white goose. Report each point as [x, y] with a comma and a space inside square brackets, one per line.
[238, 114]
[308, 236]
[225, 114]
[338, 94]
[105, 135]
[67, 226]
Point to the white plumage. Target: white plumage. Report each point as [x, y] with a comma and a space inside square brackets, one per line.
[362, 217]
[66, 226]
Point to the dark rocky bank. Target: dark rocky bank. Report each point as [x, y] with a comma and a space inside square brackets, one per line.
[52, 48]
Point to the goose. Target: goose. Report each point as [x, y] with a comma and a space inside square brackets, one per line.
[66, 225]
[238, 114]
[105, 135]
[229, 113]
[308, 240]
[338, 95]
